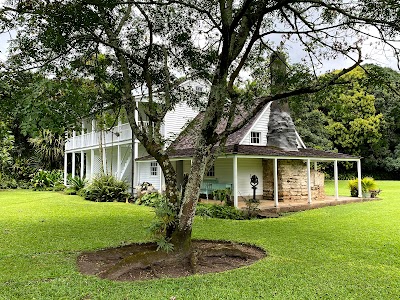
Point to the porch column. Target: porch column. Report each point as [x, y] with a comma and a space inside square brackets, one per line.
[91, 163]
[118, 162]
[82, 163]
[104, 159]
[235, 183]
[135, 163]
[73, 164]
[336, 178]
[276, 192]
[65, 167]
[160, 177]
[359, 178]
[73, 139]
[309, 181]
[93, 132]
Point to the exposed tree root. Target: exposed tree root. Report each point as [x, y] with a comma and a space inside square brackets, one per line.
[140, 262]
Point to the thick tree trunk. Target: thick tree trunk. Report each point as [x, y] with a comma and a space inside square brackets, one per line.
[181, 238]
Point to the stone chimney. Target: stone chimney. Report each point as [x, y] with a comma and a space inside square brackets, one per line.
[281, 129]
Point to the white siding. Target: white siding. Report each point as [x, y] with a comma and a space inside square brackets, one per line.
[145, 176]
[261, 125]
[223, 170]
[246, 168]
[176, 120]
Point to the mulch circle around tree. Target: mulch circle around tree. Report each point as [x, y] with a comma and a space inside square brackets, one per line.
[209, 257]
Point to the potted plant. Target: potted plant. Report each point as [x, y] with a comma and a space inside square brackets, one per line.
[368, 184]
[353, 186]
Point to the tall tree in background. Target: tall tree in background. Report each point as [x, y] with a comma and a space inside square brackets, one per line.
[152, 43]
[359, 116]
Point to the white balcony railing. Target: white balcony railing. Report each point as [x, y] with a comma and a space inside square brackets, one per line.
[118, 134]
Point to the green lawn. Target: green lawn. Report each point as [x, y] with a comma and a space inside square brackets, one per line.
[342, 252]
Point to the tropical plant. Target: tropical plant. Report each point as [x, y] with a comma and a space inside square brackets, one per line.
[368, 184]
[223, 195]
[77, 183]
[43, 179]
[106, 188]
[149, 199]
[219, 211]
[353, 186]
[49, 147]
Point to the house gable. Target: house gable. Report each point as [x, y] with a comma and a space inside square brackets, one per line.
[260, 125]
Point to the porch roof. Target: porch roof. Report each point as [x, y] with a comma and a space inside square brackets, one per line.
[263, 151]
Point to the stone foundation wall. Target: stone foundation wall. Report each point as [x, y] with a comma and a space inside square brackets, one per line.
[292, 181]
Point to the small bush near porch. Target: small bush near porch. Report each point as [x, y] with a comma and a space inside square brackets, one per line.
[342, 252]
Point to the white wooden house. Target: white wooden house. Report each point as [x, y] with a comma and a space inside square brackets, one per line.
[286, 171]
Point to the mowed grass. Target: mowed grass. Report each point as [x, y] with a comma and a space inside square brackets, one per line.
[343, 252]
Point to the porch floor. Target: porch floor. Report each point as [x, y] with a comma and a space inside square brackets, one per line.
[267, 207]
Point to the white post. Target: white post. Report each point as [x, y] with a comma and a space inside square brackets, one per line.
[309, 181]
[65, 167]
[276, 192]
[160, 174]
[336, 178]
[73, 139]
[359, 178]
[136, 153]
[104, 159]
[82, 163]
[73, 164]
[235, 182]
[315, 166]
[91, 163]
[137, 173]
[93, 132]
[118, 162]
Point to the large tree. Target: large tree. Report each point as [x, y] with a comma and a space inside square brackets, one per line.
[153, 42]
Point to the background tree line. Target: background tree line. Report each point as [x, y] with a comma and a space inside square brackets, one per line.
[359, 115]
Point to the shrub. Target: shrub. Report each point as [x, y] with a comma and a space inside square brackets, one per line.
[223, 195]
[106, 188]
[43, 179]
[219, 211]
[77, 183]
[149, 199]
[70, 191]
[7, 183]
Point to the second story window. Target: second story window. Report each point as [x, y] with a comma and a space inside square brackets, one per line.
[153, 169]
[255, 137]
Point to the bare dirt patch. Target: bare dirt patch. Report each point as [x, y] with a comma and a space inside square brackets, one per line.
[208, 257]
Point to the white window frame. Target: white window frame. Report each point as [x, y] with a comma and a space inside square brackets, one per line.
[153, 168]
[256, 136]
[199, 89]
[211, 172]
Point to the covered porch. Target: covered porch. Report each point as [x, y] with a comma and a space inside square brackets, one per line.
[239, 163]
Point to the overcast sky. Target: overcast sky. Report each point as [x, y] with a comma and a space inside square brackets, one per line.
[383, 57]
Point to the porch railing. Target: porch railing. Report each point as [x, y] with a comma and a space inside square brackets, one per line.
[118, 134]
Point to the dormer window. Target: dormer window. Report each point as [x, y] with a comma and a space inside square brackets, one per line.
[255, 137]
[199, 89]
